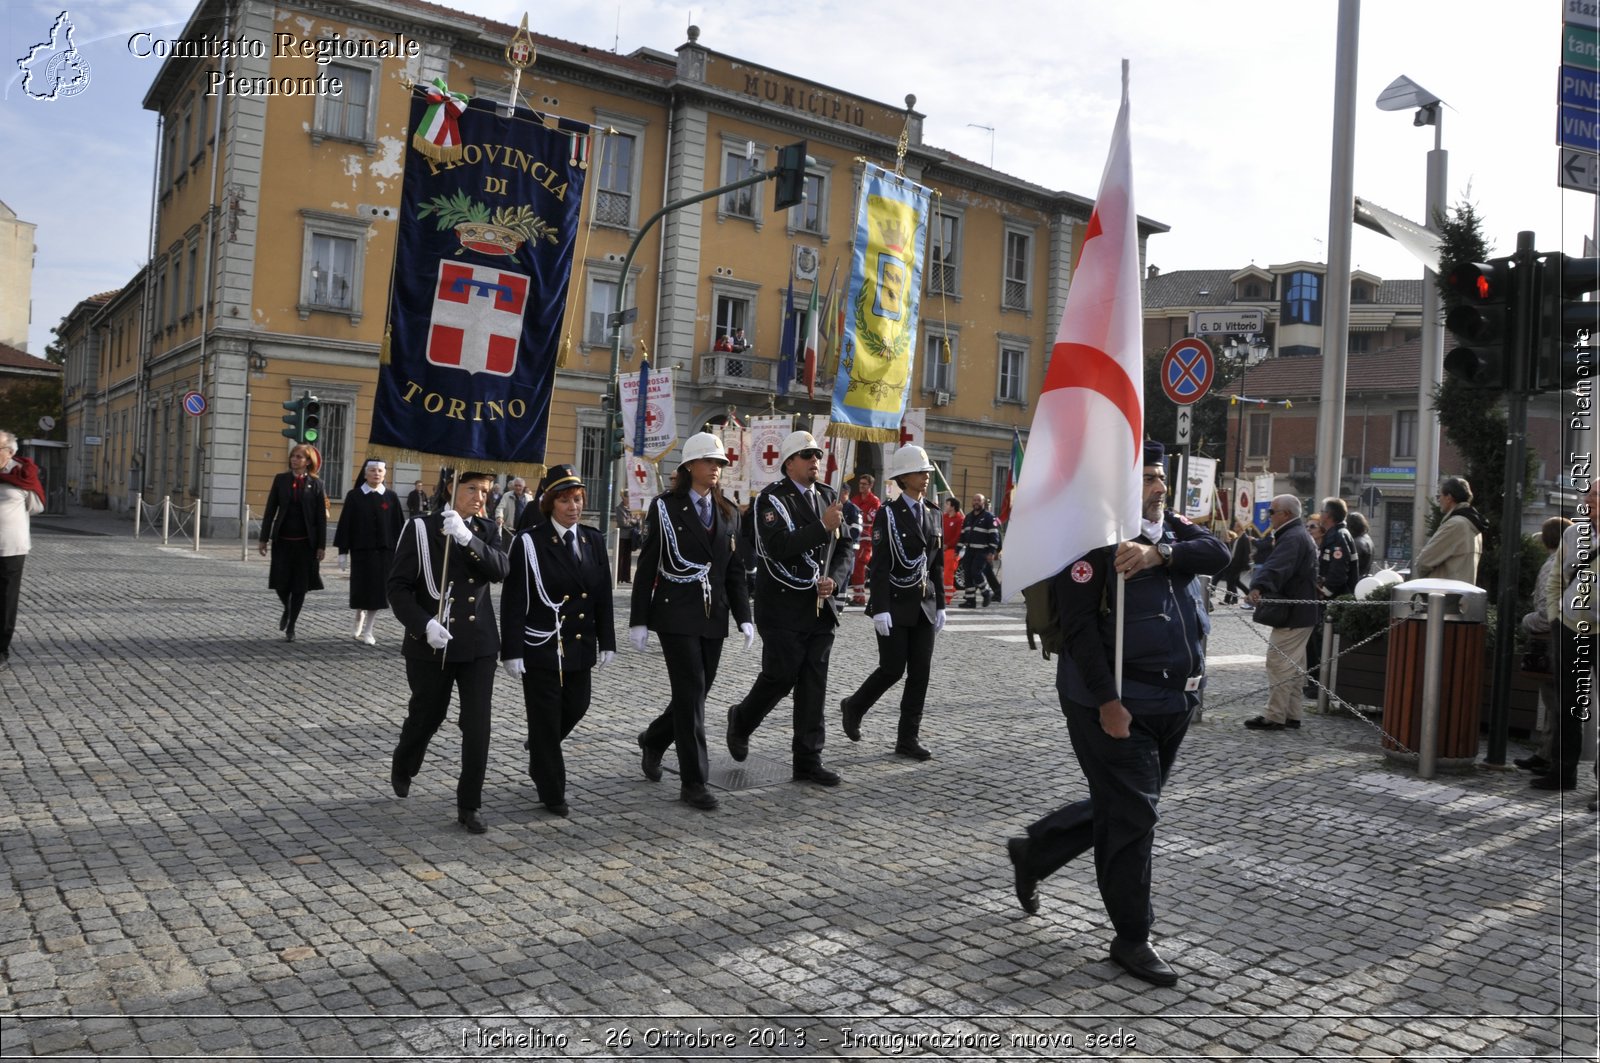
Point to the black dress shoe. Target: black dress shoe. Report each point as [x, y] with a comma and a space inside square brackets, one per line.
[914, 750]
[967, 605]
[1141, 961]
[1027, 886]
[1293, 725]
[1261, 723]
[560, 808]
[1536, 764]
[1553, 782]
[400, 781]
[650, 760]
[738, 745]
[288, 634]
[283, 621]
[852, 720]
[470, 819]
[816, 773]
[698, 797]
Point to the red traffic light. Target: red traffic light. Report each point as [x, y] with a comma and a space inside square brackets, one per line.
[1480, 281]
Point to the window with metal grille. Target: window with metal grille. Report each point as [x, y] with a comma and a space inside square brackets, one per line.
[943, 273]
[614, 200]
[1015, 295]
[335, 442]
[591, 455]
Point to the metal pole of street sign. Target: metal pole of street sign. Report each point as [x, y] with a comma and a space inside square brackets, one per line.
[613, 387]
[1341, 219]
[1432, 354]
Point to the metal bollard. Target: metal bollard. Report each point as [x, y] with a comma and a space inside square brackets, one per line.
[1324, 682]
[1432, 664]
[244, 536]
[166, 518]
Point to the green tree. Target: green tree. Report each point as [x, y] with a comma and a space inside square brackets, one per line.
[23, 403]
[1475, 420]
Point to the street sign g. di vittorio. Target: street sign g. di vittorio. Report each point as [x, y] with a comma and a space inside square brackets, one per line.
[1236, 322]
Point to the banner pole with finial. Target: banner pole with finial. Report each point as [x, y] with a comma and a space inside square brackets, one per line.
[520, 54]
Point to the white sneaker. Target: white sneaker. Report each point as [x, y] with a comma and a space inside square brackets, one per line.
[369, 638]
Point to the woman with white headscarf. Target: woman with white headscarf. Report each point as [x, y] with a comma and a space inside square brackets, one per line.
[369, 527]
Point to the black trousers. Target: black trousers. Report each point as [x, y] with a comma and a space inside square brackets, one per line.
[430, 702]
[1574, 662]
[10, 595]
[908, 651]
[692, 667]
[624, 559]
[1118, 818]
[555, 702]
[798, 661]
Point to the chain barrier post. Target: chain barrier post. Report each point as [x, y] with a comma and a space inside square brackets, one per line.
[244, 535]
[197, 504]
[138, 513]
[166, 518]
[1330, 668]
[1432, 665]
[1322, 663]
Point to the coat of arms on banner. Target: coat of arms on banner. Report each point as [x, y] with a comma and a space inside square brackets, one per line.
[477, 318]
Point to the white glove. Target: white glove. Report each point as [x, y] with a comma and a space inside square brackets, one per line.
[456, 528]
[938, 620]
[514, 667]
[883, 622]
[607, 656]
[639, 636]
[438, 634]
[344, 562]
[748, 630]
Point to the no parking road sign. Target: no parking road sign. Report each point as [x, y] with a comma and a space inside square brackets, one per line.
[194, 404]
[1187, 370]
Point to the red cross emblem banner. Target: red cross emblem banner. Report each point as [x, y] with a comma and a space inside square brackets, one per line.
[736, 444]
[766, 441]
[657, 412]
[481, 272]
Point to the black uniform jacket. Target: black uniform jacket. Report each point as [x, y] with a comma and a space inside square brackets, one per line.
[917, 530]
[313, 507]
[793, 551]
[685, 605]
[579, 593]
[472, 569]
[1338, 564]
[368, 523]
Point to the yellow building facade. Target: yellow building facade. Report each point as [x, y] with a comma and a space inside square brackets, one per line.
[275, 234]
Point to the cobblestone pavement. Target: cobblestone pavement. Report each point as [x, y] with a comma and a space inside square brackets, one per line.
[203, 860]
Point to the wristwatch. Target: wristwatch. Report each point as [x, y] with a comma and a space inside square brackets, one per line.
[1165, 550]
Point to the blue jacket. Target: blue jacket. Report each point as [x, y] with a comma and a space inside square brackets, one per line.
[1290, 571]
[1167, 621]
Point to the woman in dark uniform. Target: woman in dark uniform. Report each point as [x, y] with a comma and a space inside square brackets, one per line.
[555, 625]
[691, 575]
[905, 581]
[295, 526]
[369, 527]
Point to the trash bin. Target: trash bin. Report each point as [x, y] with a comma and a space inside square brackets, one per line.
[1466, 611]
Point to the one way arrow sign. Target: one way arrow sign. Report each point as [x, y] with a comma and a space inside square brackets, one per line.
[1579, 171]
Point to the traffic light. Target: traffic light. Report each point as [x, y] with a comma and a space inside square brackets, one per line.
[790, 190]
[1484, 320]
[295, 419]
[618, 437]
[1567, 328]
[310, 419]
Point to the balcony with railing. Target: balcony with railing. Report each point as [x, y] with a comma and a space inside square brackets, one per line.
[741, 372]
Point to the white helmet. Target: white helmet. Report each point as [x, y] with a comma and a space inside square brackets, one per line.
[703, 445]
[909, 458]
[794, 443]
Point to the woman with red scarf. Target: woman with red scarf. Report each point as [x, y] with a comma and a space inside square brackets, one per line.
[21, 496]
[295, 525]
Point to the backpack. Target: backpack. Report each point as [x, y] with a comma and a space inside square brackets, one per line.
[1043, 621]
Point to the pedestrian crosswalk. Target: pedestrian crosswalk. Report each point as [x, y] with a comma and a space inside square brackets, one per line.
[991, 623]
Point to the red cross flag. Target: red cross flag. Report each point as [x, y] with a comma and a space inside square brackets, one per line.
[477, 318]
[1081, 485]
[766, 439]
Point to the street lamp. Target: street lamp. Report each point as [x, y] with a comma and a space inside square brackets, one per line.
[1402, 94]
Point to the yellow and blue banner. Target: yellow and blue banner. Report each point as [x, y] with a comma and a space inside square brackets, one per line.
[878, 349]
[484, 258]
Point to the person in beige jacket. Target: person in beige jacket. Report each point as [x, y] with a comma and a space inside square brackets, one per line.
[1457, 543]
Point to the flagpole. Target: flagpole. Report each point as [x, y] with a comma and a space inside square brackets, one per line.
[1122, 584]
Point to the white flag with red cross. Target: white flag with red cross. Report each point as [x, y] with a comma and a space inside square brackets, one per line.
[477, 318]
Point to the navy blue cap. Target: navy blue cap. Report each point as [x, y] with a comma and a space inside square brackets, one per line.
[1154, 452]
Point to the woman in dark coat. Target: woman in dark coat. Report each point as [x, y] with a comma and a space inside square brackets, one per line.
[369, 527]
[555, 624]
[295, 527]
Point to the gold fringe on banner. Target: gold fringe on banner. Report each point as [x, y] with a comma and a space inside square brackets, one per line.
[564, 355]
[841, 430]
[383, 347]
[438, 154]
[944, 350]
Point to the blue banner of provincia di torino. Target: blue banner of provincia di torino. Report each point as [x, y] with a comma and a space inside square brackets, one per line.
[488, 214]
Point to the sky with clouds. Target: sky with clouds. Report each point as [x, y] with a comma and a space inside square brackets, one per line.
[1232, 111]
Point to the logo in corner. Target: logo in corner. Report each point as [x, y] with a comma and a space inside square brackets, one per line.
[55, 69]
